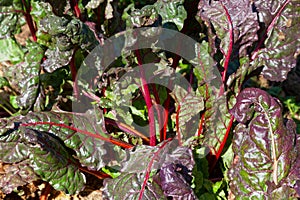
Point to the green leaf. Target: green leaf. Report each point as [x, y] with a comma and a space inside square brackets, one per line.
[30, 70]
[3, 82]
[10, 51]
[53, 162]
[10, 19]
[170, 12]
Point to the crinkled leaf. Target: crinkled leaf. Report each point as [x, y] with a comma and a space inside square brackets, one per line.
[10, 18]
[46, 140]
[172, 11]
[45, 156]
[175, 182]
[189, 105]
[16, 175]
[281, 21]
[217, 121]
[169, 11]
[52, 162]
[142, 159]
[243, 19]
[264, 146]
[24, 76]
[294, 175]
[128, 186]
[30, 71]
[10, 51]
[62, 35]
[216, 117]
[13, 150]
[206, 71]
[74, 131]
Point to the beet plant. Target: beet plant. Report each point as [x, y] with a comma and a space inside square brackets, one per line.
[158, 99]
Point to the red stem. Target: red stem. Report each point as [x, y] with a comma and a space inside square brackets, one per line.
[166, 106]
[98, 174]
[160, 119]
[228, 55]
[147, 175]
[94, 135]
[219, 152]
[200, 129]
[177, 126]
[127, 129]
[74, 74]
[168, 100]
[74, 4]
[147, 97]
[29, 20]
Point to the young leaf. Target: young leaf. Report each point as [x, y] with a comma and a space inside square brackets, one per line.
[169, 11]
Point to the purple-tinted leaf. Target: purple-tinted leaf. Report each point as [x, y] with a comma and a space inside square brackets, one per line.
[279, 45]
[294, 175]
[45, 139]
[175, 182]
[141, 157]
[264, 147]
[13, 150]
[75, 130]
[90, 151]
[243, 19]
[46, 157]
[24, 76]
[128, 186]
[206, 71]
[141, 160]
[16, 175]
